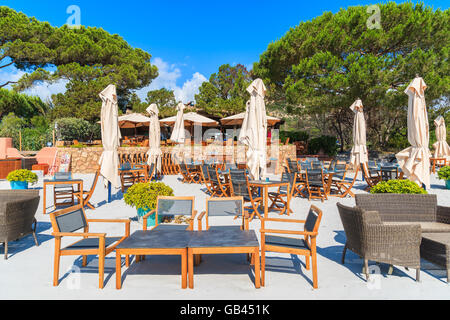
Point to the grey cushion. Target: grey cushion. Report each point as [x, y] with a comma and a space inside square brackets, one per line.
[91, 243]
[286, 242]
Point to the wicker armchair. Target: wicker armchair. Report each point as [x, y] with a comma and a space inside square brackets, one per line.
[400, 209]
[17, 210]
[371, 239]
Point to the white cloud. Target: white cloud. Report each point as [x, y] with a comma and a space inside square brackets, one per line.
[168, 77]
[43, 90]
[190, 88]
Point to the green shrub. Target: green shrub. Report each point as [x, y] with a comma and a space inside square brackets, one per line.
[294, 136]
[22, 175]
[76, 129]
[444, 173]
[144, 195]
[326, 143]
[398, 186]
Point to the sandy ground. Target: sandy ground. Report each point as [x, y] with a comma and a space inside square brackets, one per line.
[27, 274]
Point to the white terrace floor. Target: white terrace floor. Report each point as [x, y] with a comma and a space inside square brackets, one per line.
[27, 274]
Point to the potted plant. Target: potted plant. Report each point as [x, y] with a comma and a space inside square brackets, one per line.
[19, 179]
[143, 197]
[444, 174]
[398, 186]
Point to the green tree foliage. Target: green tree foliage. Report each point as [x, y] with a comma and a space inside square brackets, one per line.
[88, 58]
[225, 93]
[162, 97]
[21, 104]
[136, 105]
[330, 61]
[76, 129]
[35, 131]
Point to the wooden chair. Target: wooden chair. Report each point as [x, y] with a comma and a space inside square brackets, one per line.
[66, 222]
[344, 187]
[63, 192]
[240, 187]
[300, 182]
[87, 195]
[315, 185]
[204, 177]
[229, 207]
[216, 187]
[189, 176]
[280, 199]
[371, 177]
[305, 247]
[390, 173]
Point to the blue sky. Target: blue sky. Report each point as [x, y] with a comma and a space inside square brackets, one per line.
[188, 40]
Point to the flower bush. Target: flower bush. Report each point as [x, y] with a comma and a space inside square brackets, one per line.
[22, 175]
[398, 186]
[144, 195]
[444, 173]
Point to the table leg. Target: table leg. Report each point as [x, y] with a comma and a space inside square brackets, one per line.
[45, 197]
[257, 269]
[184, 270]
[118, 271]
[266, 202]
[191, 268]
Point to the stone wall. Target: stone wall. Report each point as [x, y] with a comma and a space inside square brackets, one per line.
[85, 160]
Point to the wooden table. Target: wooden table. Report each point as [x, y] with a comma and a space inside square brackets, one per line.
[78, 193]
[265, 185]
[224, 240]
[154, 242]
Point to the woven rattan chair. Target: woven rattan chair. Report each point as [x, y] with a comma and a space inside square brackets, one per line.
[305, 246]
[371, 239]
[17, 211]
[66, 222]
[408, 208]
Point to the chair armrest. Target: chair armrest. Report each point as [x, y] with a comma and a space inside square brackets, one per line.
[149, 214]
[284, 220]
[109, 220]
[84, 235]
[304, 233]
[443, 214]
[200, 217]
